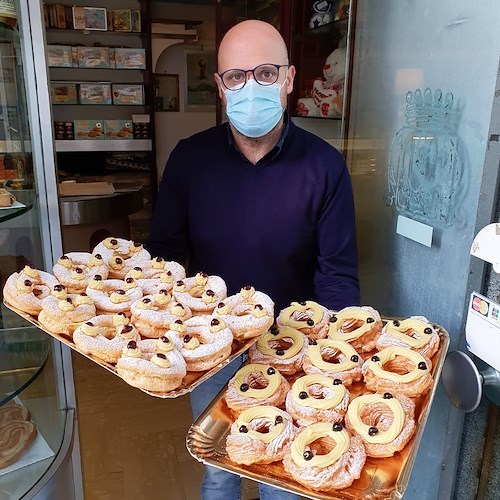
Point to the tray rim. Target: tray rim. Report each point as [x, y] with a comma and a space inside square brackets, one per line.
[405, 472]
[110, 368]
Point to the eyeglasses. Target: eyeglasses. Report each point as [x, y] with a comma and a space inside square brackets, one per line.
[264, 74]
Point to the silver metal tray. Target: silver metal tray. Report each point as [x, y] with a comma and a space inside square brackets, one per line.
[380, 478]
[190, 381]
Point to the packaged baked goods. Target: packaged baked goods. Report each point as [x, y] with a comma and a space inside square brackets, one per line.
[130, 58]
[118, 129]
[89, 129]
[94, 93]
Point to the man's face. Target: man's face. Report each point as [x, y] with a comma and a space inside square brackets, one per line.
[247, 52]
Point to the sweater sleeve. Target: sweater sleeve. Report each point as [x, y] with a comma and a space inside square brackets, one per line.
[336, 276]
[168, 232]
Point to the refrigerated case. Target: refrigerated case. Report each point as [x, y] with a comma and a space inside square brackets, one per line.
[35, 371]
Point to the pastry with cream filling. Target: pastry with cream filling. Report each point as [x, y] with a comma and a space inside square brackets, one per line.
[308, 317]
[256, 385]
[260, 435]
[317, 398]
[283, 348]
[385, 422]
[325, 457]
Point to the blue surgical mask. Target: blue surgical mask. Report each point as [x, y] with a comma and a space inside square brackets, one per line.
[255, 109]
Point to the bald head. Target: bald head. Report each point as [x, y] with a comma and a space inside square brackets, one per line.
[251, 43]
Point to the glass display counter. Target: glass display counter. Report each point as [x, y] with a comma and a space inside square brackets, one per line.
[36, 406]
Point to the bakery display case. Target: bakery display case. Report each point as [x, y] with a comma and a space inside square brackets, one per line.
[36, 400]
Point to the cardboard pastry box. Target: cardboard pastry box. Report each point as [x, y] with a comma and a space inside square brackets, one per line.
[118, 129]
[128, 94]
[89, 129]
[95, 93]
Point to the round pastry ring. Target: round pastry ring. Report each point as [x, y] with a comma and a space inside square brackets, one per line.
[397, 328]
[314, 353]
[357, 315]
[302, 307]
[302, 384]
[284, 333]
[380, 436]
[273, 380]
[313, 433]
[257, 412]
[388, 354]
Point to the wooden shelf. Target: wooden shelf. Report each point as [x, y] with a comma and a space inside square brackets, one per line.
[94, 32]
[103, 145]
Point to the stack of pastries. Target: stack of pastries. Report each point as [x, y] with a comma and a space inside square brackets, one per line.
[138, 313]
[323, 390]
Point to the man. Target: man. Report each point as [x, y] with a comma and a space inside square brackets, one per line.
[258, 201]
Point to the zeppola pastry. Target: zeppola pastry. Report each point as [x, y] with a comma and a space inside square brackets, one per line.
[316, 398]
[385, 422]
[162, 371]
[75, 270]
[308, 317]
[157, 270]
[153, 314]
[247, 314]
[335, 359]
[62, 312]
[256, 385]
[112, 295]
[312, 461]
[415, 333]
[206, 341]
[397, 369]
[17, 433]
[105, 336]
[200, 293]
[283, 348]
[121, 255]
[26, 290]
[360, 326]
[260, 435]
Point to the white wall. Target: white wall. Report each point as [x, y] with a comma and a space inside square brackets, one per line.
[170, 127]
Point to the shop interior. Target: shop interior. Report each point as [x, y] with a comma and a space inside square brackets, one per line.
[112, 100]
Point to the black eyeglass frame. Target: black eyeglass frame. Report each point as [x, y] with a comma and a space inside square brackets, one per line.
[246, 71]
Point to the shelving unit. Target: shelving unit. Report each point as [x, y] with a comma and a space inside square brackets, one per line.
[99, 151]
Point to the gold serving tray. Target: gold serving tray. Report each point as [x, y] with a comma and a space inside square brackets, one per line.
[190, 381]
[380, 478]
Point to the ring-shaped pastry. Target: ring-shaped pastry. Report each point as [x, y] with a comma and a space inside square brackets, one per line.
[334, 470]
[205, 341]
[26, 290]
[247, 314]
[360, 326]
[260, 435]
[416, 381]
[283, 348]
[160, 372]
[105, 336]
[200, 293]
[112, 295]
[121, 255]
[153, 314]
[317, 398]
[308, 317]
[415, 333]
[62, 313]
[75, 270]
[385, 422]
[343, 362]
[157, 267]
[256, 385]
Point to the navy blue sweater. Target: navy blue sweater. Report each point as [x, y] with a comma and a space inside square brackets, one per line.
[285, 226]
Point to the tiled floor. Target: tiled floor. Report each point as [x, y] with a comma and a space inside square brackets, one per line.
[132, 444]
